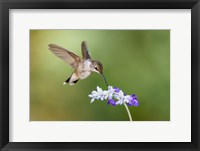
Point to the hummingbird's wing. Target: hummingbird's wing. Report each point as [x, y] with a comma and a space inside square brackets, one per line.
[66, 55]
[85, 51]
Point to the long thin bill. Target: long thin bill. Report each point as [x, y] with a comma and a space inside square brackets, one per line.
[104, 78]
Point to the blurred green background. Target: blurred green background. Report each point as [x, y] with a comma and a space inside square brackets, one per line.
[137, 61]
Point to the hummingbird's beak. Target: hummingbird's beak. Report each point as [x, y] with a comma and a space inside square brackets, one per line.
[104, 78]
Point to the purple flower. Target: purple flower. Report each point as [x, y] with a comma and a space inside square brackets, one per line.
[111, 101]
[133, 100]
[116, 89]
[115, 96]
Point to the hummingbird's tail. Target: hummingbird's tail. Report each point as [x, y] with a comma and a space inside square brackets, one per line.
[71, 80]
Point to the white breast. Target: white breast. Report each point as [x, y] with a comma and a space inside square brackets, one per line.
[85, 69]
[85, 74]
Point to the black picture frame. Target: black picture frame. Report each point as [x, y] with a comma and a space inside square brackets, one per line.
[5, 5]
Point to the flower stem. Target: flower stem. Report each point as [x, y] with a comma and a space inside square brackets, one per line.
[129, 114]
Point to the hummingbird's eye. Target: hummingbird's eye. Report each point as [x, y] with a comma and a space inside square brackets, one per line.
[96, 68]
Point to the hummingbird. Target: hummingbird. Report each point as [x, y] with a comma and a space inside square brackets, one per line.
[83, 67]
